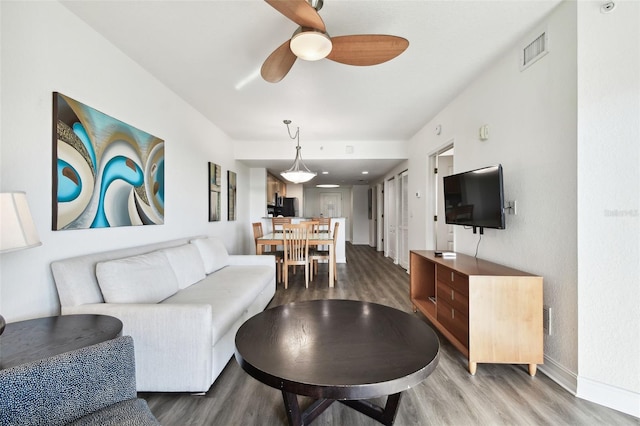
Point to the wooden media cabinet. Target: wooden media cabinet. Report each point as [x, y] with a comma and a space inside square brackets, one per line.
[489, 312]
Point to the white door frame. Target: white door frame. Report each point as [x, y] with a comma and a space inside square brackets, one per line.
[391, 218]
[433, 183]
[403, 220]
[380, 217]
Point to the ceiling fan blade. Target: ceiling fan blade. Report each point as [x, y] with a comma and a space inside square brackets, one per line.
[366, 49]
[300, 12]
[278, 64]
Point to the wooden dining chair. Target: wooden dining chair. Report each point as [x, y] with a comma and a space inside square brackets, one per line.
[257, 233]
[317, 254]
[325, 222]
[296, 250]
[324, 226]
[277, 222]
[313, 225]
[314, 233]
[276, 226]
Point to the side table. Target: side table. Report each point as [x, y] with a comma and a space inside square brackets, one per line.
[31, 340]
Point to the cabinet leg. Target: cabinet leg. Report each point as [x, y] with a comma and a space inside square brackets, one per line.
[532, 369]
[473, 366]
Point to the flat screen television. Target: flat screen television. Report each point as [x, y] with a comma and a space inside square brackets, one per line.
[475, 198]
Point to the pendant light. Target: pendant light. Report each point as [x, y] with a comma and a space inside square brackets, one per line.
[298, 172]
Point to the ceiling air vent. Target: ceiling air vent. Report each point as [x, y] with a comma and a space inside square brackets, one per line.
[534, 51]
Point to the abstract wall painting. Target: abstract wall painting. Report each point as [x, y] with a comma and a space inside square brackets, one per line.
[231, 195]
[215, 188]
[106, 173]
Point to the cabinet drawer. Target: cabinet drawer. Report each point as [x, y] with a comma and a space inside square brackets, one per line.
[455, 321]
[454, 279]
[452, 297]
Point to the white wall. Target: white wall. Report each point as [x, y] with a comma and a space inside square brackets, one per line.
[532, 125]
[321, 150]
[609, 204]
[258, 193]
[568, 125]
[311, 204]
[360, 210]
[45, 48]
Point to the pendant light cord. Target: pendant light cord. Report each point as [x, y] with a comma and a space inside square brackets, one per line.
[297, 135]
[298, 173]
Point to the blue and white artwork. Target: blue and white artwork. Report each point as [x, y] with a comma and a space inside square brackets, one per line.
[106, 172]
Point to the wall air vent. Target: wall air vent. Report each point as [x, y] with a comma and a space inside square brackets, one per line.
[534, 51]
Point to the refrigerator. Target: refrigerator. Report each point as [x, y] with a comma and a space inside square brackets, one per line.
[289, 207]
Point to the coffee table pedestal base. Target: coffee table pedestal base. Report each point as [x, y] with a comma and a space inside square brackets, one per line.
[386, 416]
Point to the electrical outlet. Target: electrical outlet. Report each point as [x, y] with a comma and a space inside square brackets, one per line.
[546, 320]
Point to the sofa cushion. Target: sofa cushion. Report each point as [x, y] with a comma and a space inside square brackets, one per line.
[229, 292]
[147, 278]
[186, 263]
[213, 252]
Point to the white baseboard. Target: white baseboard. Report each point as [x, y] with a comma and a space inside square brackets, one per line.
[560, 375]
[610, 396]
[606, 395]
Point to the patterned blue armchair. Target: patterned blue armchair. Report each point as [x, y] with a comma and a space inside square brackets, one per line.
[95, 385]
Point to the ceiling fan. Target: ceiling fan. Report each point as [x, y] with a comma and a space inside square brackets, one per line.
[311, 42]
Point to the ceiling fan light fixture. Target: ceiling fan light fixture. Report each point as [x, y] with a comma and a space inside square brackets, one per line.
[310, 44]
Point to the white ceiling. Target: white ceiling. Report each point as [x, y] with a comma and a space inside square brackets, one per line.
[209, 52]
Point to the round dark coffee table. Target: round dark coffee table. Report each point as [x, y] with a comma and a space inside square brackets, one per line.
[337, 350]
[31, 340]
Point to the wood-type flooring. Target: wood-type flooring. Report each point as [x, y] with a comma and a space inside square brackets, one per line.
[497, 395]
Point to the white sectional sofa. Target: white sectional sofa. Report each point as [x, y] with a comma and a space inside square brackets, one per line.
[182, 301]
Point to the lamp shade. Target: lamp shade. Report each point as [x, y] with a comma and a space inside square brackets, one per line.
[311, 45]
[298, 173]
[17, 230]
[298, 176]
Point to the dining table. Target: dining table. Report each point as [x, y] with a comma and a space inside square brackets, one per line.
[316, 239]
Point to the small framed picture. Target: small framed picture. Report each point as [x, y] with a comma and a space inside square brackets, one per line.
[215, 185]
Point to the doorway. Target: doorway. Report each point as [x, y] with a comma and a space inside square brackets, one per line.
[442, 233]
[391, 241]
[331, 204]
[380, 217]
[403, 223]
